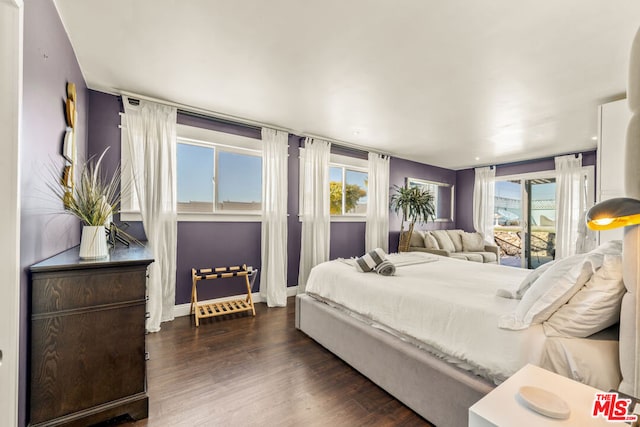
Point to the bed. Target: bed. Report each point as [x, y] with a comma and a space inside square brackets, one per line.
[364, 319]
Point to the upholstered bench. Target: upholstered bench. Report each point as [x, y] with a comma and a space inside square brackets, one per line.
[455, 244]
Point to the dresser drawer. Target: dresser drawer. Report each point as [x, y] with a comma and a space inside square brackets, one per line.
[60, 291]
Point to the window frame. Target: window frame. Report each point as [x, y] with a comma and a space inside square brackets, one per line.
[219, 141]
[437, 200]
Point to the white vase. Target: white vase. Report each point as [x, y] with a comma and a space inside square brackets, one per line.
[93, 243]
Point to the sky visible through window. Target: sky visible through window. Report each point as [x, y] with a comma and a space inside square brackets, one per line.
[195, 173]
[239, 175]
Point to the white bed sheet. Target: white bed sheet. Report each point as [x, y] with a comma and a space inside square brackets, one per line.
[436, 303]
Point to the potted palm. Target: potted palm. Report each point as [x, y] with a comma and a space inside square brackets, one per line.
[416, 204]
[93, 200]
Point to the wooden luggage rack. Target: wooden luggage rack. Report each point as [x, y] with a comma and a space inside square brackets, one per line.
[201, 311]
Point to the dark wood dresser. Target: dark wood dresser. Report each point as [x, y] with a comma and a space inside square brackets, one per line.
[87, 338]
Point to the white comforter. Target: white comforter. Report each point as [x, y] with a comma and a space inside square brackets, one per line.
[450, 305]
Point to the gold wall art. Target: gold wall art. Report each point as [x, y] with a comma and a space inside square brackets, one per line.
[69, 151]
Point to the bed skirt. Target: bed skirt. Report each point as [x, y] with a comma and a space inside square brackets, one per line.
[437, 391]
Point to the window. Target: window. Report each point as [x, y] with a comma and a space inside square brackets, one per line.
[214, 179]
[348, 191]
[348, 187]
[218, 177]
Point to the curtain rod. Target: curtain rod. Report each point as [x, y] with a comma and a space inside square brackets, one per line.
[202, 112]
[239, 120]
[345, 144]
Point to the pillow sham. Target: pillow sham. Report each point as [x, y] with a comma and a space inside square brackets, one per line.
[430, 242]
[551, 290]
[472, 242]
[596, 306]
[444, 241]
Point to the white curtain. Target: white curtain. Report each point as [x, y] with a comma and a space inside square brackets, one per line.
[483, 202]
[571, 203]
[273, 274]
[151, 130]
[377, 226]
[316, 222]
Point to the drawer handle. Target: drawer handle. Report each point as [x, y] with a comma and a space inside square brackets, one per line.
[146, 355]
[147, 315]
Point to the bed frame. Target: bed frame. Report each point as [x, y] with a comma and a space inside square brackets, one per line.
[434, 389]
[438, 391]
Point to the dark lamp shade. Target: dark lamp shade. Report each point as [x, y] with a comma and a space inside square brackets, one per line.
[614, 213]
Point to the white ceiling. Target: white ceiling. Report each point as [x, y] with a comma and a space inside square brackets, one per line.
[455, 83]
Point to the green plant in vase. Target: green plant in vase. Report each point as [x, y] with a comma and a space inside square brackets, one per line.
[94, 199]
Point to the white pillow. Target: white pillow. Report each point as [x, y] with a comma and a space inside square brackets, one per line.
[444, 241]
[472, 242]
[430, 242]
[595, 307]
[526, 282]
[552, 290]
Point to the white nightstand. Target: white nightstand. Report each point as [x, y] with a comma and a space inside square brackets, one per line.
[503, 408]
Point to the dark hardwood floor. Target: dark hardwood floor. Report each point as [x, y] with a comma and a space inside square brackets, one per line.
[258, 371]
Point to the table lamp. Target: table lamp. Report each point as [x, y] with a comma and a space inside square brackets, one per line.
[614, 213]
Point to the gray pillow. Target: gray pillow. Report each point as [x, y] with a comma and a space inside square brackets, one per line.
[417, 239]
[444, 241]
[472, 242]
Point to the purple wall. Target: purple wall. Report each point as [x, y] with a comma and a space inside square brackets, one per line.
[464, 199]
[294, 226]
[49, 63]
[215, 244]
[399, 169]
[466, 178]
[347, 240]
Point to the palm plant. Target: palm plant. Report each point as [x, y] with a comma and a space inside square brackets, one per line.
[416, 205]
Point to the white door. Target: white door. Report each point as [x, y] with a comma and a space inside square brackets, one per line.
[11, 18]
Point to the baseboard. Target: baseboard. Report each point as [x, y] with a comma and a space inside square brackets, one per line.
[180, 310]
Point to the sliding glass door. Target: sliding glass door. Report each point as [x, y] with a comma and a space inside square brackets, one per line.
[525, 218]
